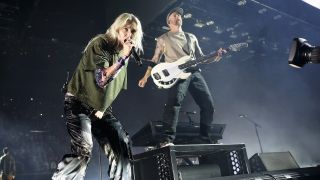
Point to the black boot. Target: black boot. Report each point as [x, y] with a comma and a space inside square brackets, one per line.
[204, 135]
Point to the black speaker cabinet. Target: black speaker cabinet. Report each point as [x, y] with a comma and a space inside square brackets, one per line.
[272, 161]
[187, 162]
[308, 173]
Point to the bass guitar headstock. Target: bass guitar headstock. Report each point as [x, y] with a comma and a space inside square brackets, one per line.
[237, 46]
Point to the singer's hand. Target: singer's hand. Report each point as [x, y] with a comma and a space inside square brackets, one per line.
[142, 82]
[99, 114]
[127, 46]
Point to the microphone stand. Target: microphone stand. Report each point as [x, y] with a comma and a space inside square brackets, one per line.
[189, 113]
[256, 126]
[190, 118]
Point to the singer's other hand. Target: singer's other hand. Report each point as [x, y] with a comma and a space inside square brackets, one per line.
[142, 82]
[99, 114]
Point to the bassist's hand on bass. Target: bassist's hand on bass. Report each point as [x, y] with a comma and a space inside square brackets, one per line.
[220, 52]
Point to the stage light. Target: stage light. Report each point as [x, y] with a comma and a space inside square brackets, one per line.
[302, 52]
[313, 3]
[242, 3]
[187, 16]
[209, 23]
[199, 24]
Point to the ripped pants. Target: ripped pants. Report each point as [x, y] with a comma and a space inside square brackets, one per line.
[110, 135]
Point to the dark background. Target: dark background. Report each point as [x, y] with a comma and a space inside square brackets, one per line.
[42, 40]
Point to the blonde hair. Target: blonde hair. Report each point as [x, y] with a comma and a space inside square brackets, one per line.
[123, 20]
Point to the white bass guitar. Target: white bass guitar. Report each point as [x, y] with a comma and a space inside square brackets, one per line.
[166, 75]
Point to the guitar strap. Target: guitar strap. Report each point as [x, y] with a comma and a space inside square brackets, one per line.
[188, 50]
[190, 53]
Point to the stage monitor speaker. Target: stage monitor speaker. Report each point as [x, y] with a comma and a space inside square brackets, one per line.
[272, 161]
[191, 172]
[308, 173]
[189, 162]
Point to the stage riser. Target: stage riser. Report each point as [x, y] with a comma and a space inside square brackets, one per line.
[150, 133]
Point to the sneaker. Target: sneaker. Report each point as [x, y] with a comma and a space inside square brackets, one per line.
[150, 148]
[165, 144]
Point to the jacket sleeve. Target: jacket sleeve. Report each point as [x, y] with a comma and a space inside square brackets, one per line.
[96, 55]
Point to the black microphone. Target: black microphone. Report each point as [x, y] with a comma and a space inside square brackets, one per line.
[136, 56]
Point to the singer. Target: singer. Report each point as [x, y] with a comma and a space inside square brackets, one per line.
[175, 44]
[96, 82]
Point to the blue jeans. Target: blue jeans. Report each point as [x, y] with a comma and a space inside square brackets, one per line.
[200, 92]
[110, 135]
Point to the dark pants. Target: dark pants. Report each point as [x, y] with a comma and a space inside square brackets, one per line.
[200, 92]
[110, 135]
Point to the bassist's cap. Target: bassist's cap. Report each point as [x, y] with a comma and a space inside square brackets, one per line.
[178, 10]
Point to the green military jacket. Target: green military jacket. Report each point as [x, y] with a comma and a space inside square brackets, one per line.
[98, 54]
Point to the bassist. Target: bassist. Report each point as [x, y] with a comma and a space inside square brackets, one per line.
[173, 45]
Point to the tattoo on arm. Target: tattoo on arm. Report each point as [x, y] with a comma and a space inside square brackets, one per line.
[157, 53]
[104, 76]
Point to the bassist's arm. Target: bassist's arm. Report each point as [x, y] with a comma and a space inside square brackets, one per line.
[155, 59]
[199, 53]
